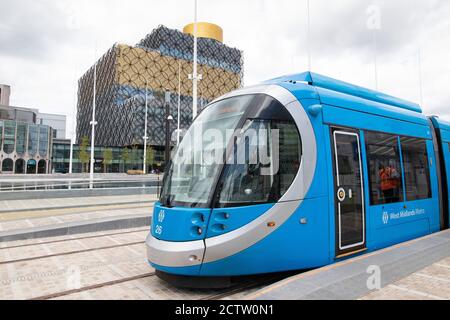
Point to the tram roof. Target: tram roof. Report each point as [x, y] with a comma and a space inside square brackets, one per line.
[324, 82]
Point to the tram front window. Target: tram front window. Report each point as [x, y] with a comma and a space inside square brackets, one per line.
[245, 150]
[192, 173]
[263, 164]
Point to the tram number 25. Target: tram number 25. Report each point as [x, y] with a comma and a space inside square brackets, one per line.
[159, 230]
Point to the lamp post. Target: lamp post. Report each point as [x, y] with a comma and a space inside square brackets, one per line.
[179, 104]
[168, 118]
[195, 77]
[145, 130]
[93, 123]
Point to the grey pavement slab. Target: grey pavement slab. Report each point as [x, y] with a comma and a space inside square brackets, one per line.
[75, 202]
[78, 227]
[347, 280]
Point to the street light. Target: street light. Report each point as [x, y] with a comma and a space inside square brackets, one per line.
[195, 77]
[93, 123]
[145, 130]
[169, 118]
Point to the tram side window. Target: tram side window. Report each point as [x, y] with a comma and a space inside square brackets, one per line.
[385, 174]
[417, 171]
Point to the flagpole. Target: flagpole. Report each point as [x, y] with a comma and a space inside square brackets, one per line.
[309, 35]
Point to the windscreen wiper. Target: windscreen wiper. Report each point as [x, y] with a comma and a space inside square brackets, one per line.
[167, 201]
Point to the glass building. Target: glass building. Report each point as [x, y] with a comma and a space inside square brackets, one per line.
[160, 63]
[25, 147]
[121, 159]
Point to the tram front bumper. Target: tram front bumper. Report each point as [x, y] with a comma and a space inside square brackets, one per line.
[175, 257]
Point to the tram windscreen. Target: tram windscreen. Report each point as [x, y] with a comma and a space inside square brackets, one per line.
[196, 162]
[240, 151]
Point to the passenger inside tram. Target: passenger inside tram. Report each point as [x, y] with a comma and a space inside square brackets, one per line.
[390, 183]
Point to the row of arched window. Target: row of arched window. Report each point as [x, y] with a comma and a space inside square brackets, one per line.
[23, 167]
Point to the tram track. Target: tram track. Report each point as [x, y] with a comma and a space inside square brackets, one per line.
[93, 287]
[218, 296]
[71, 253]
[241, 288]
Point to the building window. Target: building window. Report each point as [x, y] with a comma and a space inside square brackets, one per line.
[33, 137]
[8, 165]
[417, 171]
[55, 134]
[1, 135]
[43, 141]
[10, 137]
[385, 174]
[21, 138]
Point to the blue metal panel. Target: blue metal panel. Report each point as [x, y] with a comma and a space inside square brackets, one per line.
[369, 107]
[179, 224]
[354, 119]
[301, 90]
[328, 145]
[294, 246]
[229, 219]
[320, 179]
[324, 82]
[445, 135]
[370, 235]
[367, 94]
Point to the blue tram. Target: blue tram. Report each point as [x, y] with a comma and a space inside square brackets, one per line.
[328, 171]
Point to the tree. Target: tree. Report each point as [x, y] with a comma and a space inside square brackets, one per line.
[107, 158]
[125, 157]
[150, 159]
[84, 154]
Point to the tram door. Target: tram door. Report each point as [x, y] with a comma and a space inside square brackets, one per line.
[349, 193]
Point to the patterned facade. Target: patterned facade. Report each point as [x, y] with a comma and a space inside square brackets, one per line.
[156, 63]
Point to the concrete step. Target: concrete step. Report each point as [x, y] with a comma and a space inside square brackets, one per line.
[71, 228]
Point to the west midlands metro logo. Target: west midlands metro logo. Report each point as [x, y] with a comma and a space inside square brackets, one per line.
[385, 218]
[161, 216]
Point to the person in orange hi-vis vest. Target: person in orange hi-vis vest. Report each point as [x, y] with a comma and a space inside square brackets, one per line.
[389, 183]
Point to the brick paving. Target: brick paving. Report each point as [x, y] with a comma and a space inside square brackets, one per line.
[50, 275]
[431, 283]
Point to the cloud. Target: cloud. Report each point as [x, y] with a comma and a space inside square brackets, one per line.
[46, 45]
[32, 29]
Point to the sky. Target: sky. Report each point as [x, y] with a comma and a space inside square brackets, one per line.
[47, 45]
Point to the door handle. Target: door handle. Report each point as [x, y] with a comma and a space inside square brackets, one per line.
[350, 193]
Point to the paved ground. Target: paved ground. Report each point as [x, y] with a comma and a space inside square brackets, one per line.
[57, 213]
[431, 283]
[34, 204]
[112, 265]
[413, 270]
[106, 265]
